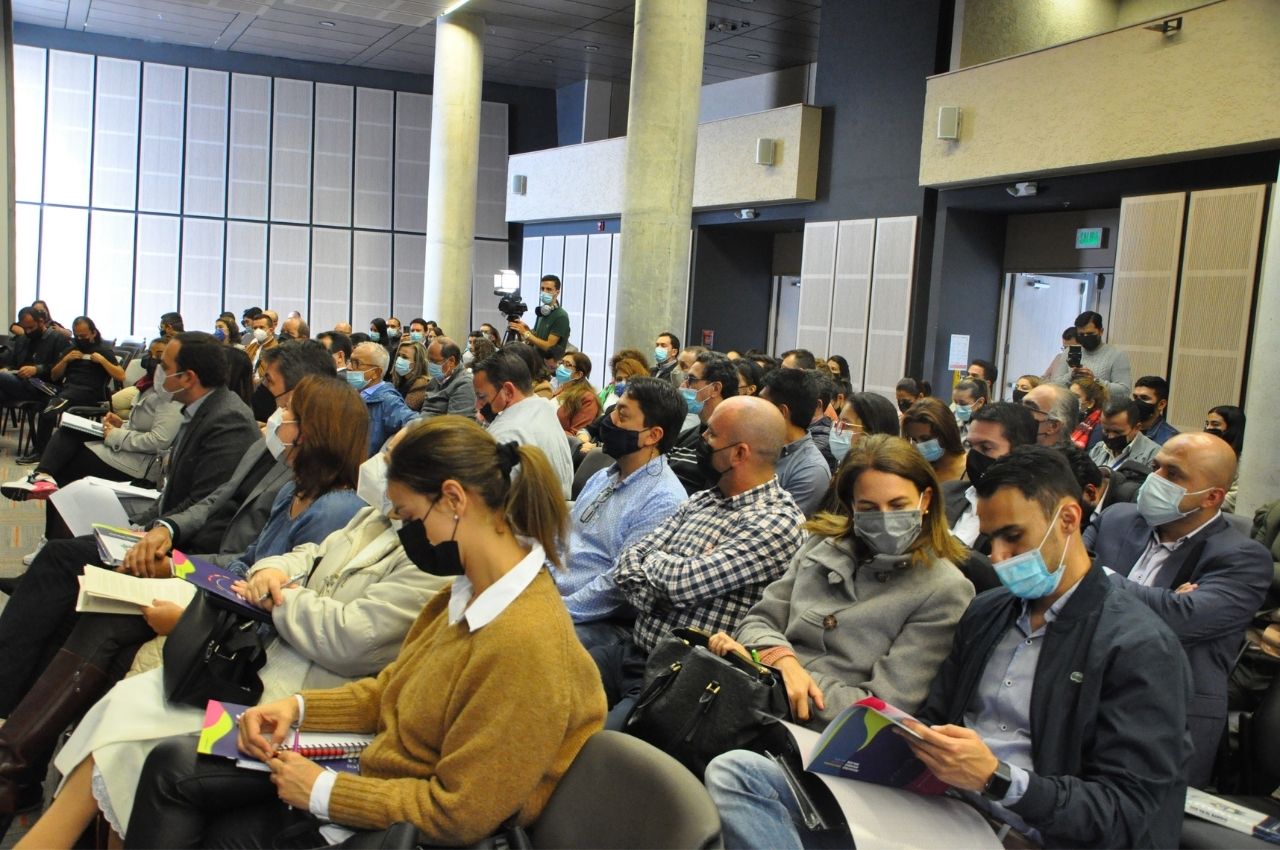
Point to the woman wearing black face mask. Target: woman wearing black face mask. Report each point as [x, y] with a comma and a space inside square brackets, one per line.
[1227, 421]
[492, 661]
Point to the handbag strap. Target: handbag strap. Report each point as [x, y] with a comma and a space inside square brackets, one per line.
[698, 637]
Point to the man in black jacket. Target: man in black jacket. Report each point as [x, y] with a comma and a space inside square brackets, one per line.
[34, 355]
[1061, 709]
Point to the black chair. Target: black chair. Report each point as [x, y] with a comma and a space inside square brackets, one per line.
[592, 462]
[1260, 775]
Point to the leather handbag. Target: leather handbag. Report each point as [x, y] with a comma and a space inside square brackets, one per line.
[213, 653]
[697, 705]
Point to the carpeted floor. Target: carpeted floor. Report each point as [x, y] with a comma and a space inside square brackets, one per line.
[21, 524]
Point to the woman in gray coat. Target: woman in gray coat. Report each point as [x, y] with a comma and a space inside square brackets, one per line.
[868, 604]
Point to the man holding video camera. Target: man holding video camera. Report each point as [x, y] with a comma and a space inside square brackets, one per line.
[1093, 358]
[550, 332]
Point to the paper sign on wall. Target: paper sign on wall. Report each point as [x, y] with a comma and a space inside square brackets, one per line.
[959, 356]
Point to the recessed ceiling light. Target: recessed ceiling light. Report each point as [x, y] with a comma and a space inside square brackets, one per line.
[327, 24]
[591, 48]
[753, 55]
[546, 61]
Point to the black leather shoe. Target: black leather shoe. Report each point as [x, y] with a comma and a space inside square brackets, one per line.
[27, 460]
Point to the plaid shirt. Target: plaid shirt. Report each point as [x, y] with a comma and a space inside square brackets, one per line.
[710, 561]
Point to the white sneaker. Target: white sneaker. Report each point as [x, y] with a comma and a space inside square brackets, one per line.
[27, 559]
[19, 489]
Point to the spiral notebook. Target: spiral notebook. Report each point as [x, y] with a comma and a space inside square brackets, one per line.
[339, 751]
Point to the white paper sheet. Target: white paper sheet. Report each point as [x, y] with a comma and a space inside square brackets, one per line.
[84, 502]
[126, 594]
[891, 819]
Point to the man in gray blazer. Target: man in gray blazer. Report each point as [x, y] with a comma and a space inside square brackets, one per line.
[451, 389]
[1175, 552]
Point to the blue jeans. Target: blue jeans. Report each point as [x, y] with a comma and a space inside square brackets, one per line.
[757, 807]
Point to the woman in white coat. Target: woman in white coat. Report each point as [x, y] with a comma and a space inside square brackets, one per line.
[347, 621]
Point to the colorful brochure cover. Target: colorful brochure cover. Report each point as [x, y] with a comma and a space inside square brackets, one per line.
[860, 744]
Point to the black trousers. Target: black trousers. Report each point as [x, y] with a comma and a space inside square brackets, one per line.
[40, 615]
[109, 641]
[67, 458]
[186, 800]
[48, 418]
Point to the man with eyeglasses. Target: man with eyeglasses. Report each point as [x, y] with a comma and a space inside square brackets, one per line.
[387, 411]
[712, 379]
[994, 432]
[619, 505]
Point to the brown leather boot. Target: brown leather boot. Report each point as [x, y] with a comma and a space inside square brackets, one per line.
[69, 686]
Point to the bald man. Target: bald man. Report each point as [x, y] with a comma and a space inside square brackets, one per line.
[1175, 551]
[707, 564]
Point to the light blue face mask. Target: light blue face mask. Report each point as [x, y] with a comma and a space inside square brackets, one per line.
[403, 366]
[962, 412]
[1160, 500]
[417, 336]
[436, 370]
[840, 443]
[691, 399]
[564, 374]
[545, 298]
[1026, 575]
[661, 354]
[356, 379]
[931, 449]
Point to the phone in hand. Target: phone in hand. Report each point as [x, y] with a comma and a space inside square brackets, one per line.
[1073, 356]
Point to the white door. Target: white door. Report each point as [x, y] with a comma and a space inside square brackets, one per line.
[787, 313]
[1041, 307]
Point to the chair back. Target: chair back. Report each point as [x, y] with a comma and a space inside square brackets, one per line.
[621, 793]
[1261, 746]
[594, 461]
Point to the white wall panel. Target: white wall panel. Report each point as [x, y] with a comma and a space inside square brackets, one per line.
[206, 162]
[201, 283]
[610, 343]
[892, 270]
[163, 117]
[69, 134]
[407, 285]
[375, 109]
[817, 281]
[246, 276]
[289, 269]
[330, 278]
[371, 277]
[852, 296]
[155, 289]
[115, 134]
[530, 269]
[64, 234]
[552, 263]
[28, 122]
[573, 282]
[291, 151]
[413, 154]
[590, 333]
[491, 257]
[491, 183]
[111, 242]
[331, 196]
[250, 155]
[26, 252]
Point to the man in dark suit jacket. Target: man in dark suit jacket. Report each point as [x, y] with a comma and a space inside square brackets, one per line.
[1175, 552]
[217, 431]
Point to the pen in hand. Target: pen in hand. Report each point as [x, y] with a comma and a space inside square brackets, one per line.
[292, 580]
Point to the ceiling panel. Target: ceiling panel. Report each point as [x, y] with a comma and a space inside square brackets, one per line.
[546, 43]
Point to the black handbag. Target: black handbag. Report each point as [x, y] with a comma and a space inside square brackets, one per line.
[698, 705]
[403, 835]
[213, 653]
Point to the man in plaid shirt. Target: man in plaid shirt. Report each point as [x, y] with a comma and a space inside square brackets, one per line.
[710, 562]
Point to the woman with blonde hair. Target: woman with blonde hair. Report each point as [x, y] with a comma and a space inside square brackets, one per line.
[578, 404]
[409, 373]
[492, 661]
[866, 608]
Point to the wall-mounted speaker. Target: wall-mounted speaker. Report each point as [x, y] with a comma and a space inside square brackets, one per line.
[519, 183]
[765, 151]
[949, 123]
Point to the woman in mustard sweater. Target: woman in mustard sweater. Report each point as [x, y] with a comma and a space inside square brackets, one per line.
[487, 704]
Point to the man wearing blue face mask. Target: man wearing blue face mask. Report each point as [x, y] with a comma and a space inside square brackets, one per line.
[550, 333]
[1174, 551]
[452, 390]
[387, 411]
[1061, 710]
[712, 378]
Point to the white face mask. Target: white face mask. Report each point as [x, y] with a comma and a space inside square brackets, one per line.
[273, 440]
[158, 384]
[260, 335]
[373, 483]
[1160, 500]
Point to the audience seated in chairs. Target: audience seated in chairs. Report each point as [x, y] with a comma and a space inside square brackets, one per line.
[620, 505]
[81, 376]
[1176, 553]
[491, 662]
[708, 563]
[322, 440]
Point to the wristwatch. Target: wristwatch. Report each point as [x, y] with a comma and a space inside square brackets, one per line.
[998, 785]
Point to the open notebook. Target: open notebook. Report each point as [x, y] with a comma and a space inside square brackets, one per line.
[338, 751]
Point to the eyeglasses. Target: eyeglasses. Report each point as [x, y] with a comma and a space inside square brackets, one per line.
[840, 427]
[594, 507]
[689, 381]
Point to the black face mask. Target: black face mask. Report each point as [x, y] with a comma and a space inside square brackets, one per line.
[976, 465]
[1018, 396]
[1145, 409]
[618, 442]
[487, 413]
[1089, 342]
[442, 559]
[904, 404]
[148, 364]
[1217, 432]
[1116, 443]
[705, 466]
[84, 346]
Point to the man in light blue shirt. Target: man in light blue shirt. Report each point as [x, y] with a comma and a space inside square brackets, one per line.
[620, 505]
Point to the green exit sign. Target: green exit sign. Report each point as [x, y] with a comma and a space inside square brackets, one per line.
[1090, 237]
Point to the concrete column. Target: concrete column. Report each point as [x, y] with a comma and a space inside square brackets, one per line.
[662, 140]
[455, 159]
[8, 272]
[1260, 457]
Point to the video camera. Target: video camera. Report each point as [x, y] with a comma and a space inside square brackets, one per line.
[507, 284]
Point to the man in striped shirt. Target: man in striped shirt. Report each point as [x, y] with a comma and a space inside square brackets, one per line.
[709, 562]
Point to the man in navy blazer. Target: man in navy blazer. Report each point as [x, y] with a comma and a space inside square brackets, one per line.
[1175, 552]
